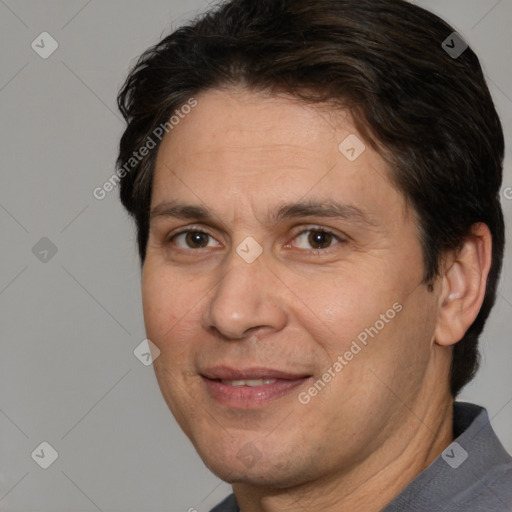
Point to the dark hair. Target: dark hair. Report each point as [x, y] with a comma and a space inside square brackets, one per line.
[429, 114]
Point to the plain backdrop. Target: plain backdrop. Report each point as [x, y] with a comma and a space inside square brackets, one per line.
[69, 278]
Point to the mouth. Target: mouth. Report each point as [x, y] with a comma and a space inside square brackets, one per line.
[250, 388]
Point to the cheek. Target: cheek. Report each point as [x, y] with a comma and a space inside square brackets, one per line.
[166, 305]
[398, 357]
[334, 311]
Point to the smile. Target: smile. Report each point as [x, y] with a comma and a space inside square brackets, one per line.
[248, 382]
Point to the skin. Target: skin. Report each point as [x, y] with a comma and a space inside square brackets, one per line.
[387, 414]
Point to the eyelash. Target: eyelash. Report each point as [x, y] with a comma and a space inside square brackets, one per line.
[321, 229]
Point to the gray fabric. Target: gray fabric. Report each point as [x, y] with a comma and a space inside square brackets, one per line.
[474, 474]
[482, 483]
[228, 505]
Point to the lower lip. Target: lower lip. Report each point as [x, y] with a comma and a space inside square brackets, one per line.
[249, 397]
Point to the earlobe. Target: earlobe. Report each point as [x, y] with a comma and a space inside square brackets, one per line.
[463, 286]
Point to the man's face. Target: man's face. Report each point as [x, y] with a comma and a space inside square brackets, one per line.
[221, 312]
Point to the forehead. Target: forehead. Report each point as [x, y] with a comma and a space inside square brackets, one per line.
[227, 122]
[254, 148]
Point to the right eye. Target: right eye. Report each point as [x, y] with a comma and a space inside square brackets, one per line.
[192, 239]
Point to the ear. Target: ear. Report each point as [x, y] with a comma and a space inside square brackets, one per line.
[463, 285]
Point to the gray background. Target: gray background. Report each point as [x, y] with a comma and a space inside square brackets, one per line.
[68, 375]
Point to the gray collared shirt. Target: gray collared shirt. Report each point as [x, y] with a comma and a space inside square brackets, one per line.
[474, 474]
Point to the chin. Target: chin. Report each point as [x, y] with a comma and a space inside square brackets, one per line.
[263, 472]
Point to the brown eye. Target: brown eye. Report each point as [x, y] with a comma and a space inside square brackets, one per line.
[320, 239]
[316, 239]
[196, 239]
[192, 240]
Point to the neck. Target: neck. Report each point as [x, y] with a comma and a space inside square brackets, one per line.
[375, 481]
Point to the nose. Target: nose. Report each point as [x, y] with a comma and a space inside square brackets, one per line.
[248, 298]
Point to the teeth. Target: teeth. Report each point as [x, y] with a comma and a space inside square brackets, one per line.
[248, 382]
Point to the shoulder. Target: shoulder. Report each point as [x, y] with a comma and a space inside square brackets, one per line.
[483, 480]
[490, 493]
[473, 474]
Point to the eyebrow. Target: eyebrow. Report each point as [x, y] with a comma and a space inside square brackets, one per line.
[328, 209]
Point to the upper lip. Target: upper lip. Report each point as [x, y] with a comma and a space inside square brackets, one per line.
[229, 373]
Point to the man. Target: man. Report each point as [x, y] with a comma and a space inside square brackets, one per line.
[316, 191]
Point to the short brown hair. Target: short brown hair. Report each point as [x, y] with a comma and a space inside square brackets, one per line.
[429, 114]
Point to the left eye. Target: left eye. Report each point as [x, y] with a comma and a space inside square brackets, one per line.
[193, 240]
[316, 239]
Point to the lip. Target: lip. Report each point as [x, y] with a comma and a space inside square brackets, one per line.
[250, 397]
[230, 373]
